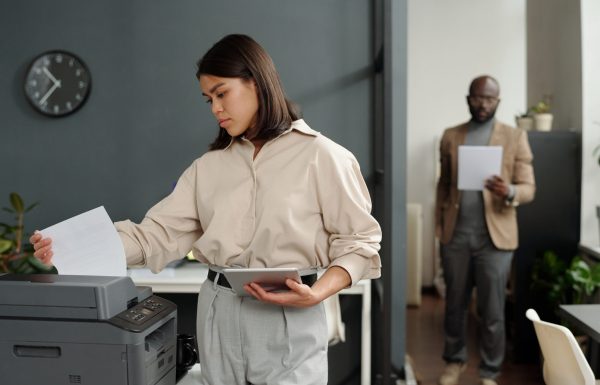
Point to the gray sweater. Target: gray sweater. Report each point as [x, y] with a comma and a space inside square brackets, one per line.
[471, 216]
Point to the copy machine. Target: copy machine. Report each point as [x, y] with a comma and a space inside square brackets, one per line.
[89, 330]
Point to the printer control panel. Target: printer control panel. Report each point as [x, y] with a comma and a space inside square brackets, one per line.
[143, 314]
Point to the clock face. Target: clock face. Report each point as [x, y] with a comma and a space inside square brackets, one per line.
[57, 83]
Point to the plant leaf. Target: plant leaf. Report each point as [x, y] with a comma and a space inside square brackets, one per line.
[26, 269]
[15, 265]
[596, 274]
[28, 209]
[17, 202]
[5, 245]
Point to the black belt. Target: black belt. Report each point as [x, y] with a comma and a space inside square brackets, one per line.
[309, 279]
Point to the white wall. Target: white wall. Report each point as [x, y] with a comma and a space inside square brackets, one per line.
[590, 187]
[450, 43]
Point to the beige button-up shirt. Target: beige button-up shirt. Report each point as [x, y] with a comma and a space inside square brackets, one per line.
[302, 202]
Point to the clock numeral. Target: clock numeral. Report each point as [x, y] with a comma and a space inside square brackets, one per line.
[36, 95]
[56, 109]
[71, 62]
[69, 106]
[46, 62]
[77, 96]
[82, 84]
[37, 70]
[77, 72]
[58, 58]
[33, 83]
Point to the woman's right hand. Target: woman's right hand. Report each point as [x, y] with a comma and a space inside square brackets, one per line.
[42, 247]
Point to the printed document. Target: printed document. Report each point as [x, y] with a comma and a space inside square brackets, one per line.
[87, 244]
[476, 164]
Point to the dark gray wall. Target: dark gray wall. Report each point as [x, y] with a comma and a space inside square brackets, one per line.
[554, 60]
[145, 119]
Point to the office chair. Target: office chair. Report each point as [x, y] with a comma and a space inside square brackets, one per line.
[564, 362]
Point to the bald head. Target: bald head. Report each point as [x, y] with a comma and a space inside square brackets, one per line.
[483, 98]
[485, 82]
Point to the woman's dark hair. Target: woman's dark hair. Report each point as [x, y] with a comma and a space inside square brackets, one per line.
[239, 56]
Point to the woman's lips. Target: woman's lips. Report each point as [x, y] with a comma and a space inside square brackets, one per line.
[223, 122]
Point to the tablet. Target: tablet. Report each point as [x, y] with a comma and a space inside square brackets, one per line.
[271, 279]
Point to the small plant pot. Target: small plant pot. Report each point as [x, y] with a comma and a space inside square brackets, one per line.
[543, 122]
[525, 122]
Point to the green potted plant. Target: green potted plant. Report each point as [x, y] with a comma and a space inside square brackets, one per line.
[16, 256]
[555, 282]
[542, 116]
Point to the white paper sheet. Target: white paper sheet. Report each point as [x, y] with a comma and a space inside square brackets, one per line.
[476, 164]
[87, 244]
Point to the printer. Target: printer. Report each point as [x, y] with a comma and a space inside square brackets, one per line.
[89, 330]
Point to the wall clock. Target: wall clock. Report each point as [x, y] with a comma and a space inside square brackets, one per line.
[57, 83]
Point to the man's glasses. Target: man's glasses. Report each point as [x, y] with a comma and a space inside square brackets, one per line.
[481, 100]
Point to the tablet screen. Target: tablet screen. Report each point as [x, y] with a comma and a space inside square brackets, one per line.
[271, 279]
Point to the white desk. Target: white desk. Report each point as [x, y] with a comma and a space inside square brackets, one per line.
[189, 277]
[192, 377]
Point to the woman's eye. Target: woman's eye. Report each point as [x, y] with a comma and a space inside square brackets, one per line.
[220, 95]
[209, 101]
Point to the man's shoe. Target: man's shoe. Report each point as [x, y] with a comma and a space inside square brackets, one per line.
[488, 381]
[452, 373]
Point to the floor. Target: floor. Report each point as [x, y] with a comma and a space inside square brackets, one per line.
[425, 343]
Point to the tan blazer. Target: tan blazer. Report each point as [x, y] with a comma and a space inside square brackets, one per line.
[500, 216]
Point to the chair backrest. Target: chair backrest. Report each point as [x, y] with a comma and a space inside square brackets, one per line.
[564, 362]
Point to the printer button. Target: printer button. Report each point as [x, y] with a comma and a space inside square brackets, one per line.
[153, 306]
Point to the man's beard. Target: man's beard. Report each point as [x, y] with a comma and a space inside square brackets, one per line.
[475, 115]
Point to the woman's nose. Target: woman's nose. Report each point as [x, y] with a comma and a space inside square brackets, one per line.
[216, 107]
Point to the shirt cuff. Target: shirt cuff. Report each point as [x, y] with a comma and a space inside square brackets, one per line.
[510, 199]
[133, 253]
[358, 267]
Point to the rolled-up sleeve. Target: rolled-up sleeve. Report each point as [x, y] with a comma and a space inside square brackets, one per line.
[168, 230]
[354, 234]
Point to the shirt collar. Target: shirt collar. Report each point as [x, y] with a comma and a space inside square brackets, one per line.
[297, 125]
[301, 126]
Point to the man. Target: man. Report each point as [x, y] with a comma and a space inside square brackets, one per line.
[478, 231]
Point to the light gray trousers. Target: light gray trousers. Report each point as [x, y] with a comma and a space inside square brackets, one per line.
[243, 341]
[471, 260]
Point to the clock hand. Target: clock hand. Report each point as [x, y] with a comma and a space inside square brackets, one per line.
[50, 75]
[50, 91]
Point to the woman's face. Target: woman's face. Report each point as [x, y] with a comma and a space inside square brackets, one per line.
[234, 102]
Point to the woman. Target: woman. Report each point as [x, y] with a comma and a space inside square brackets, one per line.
[271, 192]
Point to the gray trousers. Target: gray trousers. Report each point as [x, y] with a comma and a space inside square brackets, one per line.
[471, 260]
[243, 341]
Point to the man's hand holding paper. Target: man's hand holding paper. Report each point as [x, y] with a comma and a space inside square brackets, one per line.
[498, 186]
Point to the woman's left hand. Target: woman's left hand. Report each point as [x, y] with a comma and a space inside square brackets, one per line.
[299, 295]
